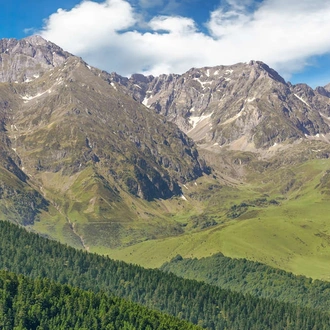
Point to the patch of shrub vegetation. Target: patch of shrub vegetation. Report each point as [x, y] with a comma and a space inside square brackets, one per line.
[238, 209]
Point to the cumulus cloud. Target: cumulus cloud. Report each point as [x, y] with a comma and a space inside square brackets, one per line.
[175, 25]
[89, 25]
[284, 34]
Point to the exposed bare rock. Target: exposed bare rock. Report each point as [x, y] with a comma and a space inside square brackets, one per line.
[327, 87]
[26, 59]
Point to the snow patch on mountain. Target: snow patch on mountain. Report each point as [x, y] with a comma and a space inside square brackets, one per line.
[196, 120]
[145, 101]
[301, 99]
[203, 83]
[28, 98]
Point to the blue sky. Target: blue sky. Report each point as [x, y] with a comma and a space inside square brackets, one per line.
[17, 16]
[158, 36]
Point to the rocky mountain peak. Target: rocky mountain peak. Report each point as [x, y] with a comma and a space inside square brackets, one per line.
[138, 77]
[322, 91]
[327, 87]
[24, 60]
[36, 40]
[261, 66]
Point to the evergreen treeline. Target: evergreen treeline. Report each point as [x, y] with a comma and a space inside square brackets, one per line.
[43, 304]
[254, 278]
[197, 302]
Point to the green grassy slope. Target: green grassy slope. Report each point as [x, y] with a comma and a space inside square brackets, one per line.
[282, 221]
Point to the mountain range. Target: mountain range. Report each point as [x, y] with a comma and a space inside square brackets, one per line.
[247, 106]
[229, 159]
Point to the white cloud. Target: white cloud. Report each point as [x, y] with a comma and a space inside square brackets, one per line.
[223, 23]
[282, 33]
[89, 25]
[175, 25]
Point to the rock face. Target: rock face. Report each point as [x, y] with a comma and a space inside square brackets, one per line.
[326, 88]
[25, 60]
[246, 106]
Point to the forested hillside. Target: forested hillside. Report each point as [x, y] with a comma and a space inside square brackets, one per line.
[43, 304]
[203, 304]
[254, 278]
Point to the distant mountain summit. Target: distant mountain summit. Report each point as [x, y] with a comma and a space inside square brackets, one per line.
[247, 106]
[26, 59]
